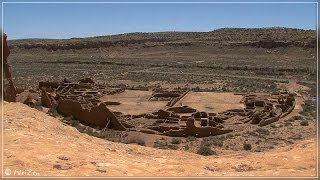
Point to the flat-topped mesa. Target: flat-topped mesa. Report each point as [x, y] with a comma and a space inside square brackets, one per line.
[253, 37]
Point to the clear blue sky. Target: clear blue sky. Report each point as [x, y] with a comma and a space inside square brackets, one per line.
[83, 20]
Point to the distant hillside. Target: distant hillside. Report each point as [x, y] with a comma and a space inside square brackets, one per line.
[257, 37]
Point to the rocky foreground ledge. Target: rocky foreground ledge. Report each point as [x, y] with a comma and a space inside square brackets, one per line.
[41, 145]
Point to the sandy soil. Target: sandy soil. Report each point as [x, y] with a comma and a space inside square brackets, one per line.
[33, 140]
[211, 101]
[134, 102]
[293, 87]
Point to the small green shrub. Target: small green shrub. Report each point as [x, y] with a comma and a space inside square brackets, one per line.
[71, 121]
[141, 142]
[74, 122]
[136, 140]
[205, 151]
[247, 146]
[53, 112]
[214, 140]
[37, 105]
[206, 143]
[191, 138]
[114, 139]
[229, 136]
[224, 89]
[304, 123]
[68, 118]
[172, 146]
[309, 109]
[112, 135]
[160, 144]
[263, 131]
[176, 141]
[297, 117]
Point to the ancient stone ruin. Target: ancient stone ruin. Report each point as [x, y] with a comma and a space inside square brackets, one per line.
[172, 96]
[82, 100]
[259, 110]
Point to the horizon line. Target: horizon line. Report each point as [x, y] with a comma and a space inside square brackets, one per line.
[161, 2]
[146, 32]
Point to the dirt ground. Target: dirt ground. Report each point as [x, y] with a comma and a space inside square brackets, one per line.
[134, 102]
[51, 148]
[137, 102]
[211, 101]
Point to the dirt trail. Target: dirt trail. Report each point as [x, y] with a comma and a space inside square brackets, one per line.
[33, 140]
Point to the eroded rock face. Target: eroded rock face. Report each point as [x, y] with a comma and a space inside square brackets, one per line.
[9, 91]
[270, 44]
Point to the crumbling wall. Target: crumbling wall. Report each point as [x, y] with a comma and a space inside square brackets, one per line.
[97, 116]
[263, 112]
[264, 122]
[182, 109]
[192, 130]
[173, 101]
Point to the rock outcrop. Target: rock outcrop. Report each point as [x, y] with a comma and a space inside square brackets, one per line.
[9, 91]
